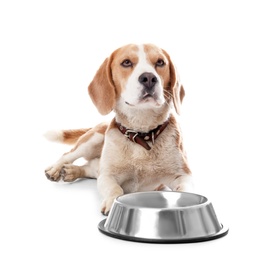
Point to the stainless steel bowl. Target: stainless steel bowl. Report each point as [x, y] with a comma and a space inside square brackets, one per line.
[162, 217]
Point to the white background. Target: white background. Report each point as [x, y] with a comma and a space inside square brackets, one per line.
[50, 51]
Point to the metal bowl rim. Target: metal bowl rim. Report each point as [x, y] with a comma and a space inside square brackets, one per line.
[206, 202]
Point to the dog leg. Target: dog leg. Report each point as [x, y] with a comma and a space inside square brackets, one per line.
[110, 190]
[72, 172]
[160, 187]
[54, 172]
[89, 149]
[182, 183]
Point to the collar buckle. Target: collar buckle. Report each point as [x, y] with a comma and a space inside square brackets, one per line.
[128, 132]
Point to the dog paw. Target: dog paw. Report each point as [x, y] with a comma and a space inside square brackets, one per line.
[183, 187]
[179, 188]
[53, 173]
[70, 172]
[106, 206]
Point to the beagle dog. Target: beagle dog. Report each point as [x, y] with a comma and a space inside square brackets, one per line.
[141, 149]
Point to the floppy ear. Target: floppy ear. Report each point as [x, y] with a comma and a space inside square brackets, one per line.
[175, 85]
[102, 90]
[178, 95]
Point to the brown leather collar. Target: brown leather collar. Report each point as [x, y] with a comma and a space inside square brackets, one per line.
[142, 138]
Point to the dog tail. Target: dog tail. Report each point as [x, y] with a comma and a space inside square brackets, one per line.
[65, 136]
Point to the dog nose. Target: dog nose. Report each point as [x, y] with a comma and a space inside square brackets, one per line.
[148, 80]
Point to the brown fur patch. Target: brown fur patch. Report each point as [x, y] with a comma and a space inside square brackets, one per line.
[100, 128]
[186, 168]
[71, 136]
[102, 90]
[121, 74]
[153, 55]
[179, 144]
[178, 140]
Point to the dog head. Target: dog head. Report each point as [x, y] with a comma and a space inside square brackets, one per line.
[136, 76]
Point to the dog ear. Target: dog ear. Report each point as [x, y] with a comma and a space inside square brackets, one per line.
[178, 95]
[102, 89]
[176, 88]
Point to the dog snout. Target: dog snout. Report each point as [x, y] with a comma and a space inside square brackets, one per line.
[148, 80]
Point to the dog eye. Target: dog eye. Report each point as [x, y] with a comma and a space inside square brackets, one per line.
[126, 63]
[160, 63]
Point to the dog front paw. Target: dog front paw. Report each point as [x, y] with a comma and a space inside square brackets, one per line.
[184, 187]
[106, 206]
[182, 183]
[53, 173]
[70, 172]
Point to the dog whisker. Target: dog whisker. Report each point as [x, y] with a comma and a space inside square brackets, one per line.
[168, 97]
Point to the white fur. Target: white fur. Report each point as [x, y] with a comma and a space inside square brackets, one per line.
[54, 135]
[133, 87]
